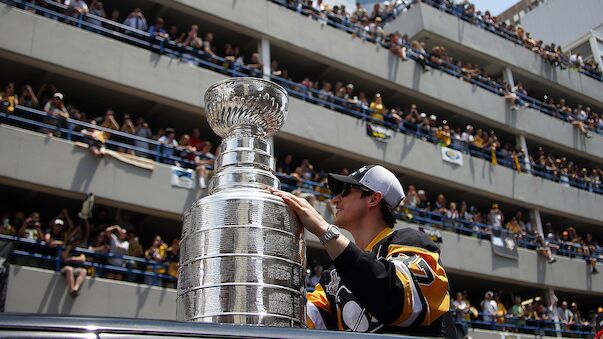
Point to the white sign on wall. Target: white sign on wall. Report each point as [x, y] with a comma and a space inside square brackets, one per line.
[452, 156]
[183, 177]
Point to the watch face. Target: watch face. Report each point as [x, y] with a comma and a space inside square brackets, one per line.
[335, 230]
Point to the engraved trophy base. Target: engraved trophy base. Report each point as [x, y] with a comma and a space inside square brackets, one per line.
[242, 257]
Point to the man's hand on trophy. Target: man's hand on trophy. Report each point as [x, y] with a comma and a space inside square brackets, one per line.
[308, 216]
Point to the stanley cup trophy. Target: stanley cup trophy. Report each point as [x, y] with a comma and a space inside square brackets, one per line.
[242, 251]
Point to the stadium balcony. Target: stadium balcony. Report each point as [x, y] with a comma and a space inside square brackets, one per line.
[97, 68]
[426, 20]
[407, 154]
[167, 81]
[328, 45]
[114, 183]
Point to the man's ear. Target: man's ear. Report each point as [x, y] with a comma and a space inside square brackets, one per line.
[376, 199]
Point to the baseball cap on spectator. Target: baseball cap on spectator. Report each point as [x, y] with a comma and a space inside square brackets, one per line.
[374, 177]
[423, 115]
[58, 96]
[58, 221]
[469, 127]
[420, 192]
[433, 117]
[169, 130]
[350, 86]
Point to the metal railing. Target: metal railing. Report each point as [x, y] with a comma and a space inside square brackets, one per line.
[29, 248]
[457, 11]
[457, 225]
[525, 325]
[70, 129]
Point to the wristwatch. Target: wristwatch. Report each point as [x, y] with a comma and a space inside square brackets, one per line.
[332, 233]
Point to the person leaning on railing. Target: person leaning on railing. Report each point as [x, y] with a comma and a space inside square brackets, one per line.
[95, 140]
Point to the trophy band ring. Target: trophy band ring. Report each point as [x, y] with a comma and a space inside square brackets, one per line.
[242, 255]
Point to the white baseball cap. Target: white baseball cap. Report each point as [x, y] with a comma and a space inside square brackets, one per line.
[374, 177]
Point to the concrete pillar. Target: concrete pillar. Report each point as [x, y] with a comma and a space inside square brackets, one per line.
[508, 76]
[520, 139]
[536, 221]
[594, 46]
[264, 50]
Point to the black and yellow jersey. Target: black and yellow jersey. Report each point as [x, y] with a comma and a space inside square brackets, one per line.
[396, 285]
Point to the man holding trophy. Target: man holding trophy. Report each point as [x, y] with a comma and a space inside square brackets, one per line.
[388, 281]
[242, 254]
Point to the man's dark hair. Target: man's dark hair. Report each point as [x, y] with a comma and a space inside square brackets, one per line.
[386, 213]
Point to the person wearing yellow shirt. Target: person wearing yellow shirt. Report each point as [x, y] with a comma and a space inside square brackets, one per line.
[443, 135]
[377, 108]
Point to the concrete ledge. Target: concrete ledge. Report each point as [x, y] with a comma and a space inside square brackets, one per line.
[58, 166]
[40, 291]
[424, 18]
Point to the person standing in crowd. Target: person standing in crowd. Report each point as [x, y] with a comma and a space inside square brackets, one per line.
[461, 309]
[142, 130]
[31, 228]
[381, 276]
[519, 312]
[168, 145]
[157, 29]
[118, 247]
[495, 217]
[489, 307]
[9, 99]
[157, 253]
[28, 97]
[136, 20]
[56, 114]
[312, 280]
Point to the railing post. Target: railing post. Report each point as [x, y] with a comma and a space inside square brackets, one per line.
[154, 277]
[58, 260]
[158, 153]
[70, 131]
[80, 18]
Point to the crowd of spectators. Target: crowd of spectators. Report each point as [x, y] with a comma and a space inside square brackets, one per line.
[551, 52]
[304, 178]
[109, 238]
[565, 171]
[481, 142]
[361, 22]
[584, 119]
[532, 315]
[187, 146]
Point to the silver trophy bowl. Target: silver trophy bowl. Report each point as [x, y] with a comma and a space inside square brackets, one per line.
[242, 254]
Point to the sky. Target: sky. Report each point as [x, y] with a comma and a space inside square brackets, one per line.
[494, 6]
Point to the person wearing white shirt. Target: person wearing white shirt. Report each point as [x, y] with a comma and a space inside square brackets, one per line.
[489, 307]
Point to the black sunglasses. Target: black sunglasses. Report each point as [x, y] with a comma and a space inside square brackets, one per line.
[347, 189]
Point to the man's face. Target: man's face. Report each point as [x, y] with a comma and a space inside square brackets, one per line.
[350, 206]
